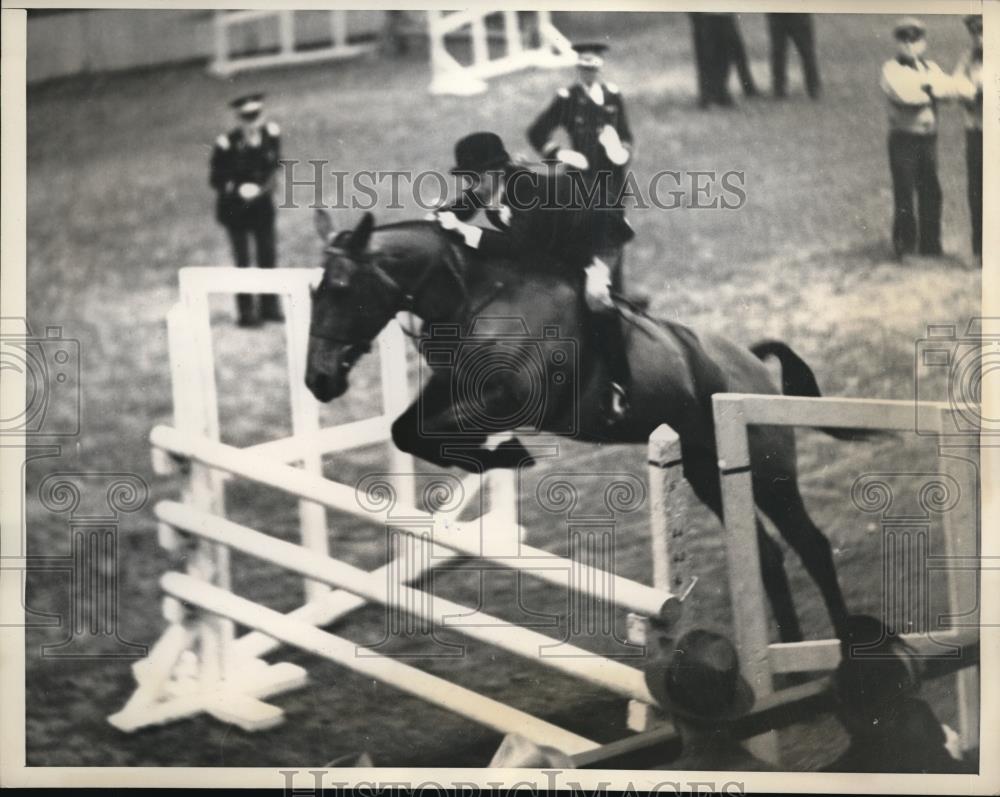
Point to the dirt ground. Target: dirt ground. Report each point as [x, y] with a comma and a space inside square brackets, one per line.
[118, 201]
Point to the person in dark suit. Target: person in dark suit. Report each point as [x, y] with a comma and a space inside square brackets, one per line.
[718, 45]
[968, 74]
[891, 729]
[736, 54]
[700, 687]
[591, 113]
[543, 223]
[799, 29]
[242, 172]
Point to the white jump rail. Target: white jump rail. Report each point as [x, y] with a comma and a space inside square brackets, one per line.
[471, 539]
[452, 697]
[585, 665]
[734, 413]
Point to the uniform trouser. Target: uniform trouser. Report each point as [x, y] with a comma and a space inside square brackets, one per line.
[913, 163]
[609, 340]
[798, 28]
[239, 237]
[711, 58]
[974, 185]
[736, 53]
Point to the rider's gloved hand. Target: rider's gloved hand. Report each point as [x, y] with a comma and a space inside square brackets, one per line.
[447, 220]
[613, 146]
[597, 290]
[471, 234]
[572, 158]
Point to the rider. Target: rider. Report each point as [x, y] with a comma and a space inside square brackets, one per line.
[540, 219]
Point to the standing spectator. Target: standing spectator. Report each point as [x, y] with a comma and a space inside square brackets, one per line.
[913, 86]
[717, 44]
[891, 730]
[736, 53]
[243, 169]
[701, 688]
[592, 114]
[968, 75]
[798, 28]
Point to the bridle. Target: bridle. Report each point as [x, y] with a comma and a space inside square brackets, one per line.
[405, 300]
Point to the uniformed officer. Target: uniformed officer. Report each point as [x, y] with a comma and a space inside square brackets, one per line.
[592, 114]
[798, 28]
[913, 86]
[540, 222]
[243, 170]
[969, 78]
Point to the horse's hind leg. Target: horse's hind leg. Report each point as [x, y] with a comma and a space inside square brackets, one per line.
[702, 473]
[779, 498]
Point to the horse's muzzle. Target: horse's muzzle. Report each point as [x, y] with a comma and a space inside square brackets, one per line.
[326, 387]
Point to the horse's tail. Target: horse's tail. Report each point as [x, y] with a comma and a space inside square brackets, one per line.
[797, 379]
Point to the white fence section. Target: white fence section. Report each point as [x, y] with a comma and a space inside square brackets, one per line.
[734, 413]
[526, 40]
[199, 666]
[263, 39]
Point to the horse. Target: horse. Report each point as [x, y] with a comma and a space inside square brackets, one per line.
[508, 348]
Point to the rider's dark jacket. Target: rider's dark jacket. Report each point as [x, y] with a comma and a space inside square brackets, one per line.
[547, 222]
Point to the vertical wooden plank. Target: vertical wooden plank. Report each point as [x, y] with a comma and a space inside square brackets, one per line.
[338, 28]
[221, 43]
[286, 31]
[668, 508]
[192, 364]
[750, 609]
[512, 32]
[480, 49]
[305, 422]
[960, 527]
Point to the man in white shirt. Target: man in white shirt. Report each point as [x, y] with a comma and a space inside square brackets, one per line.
[913, 86]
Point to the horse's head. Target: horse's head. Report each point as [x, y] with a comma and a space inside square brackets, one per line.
[350, 306]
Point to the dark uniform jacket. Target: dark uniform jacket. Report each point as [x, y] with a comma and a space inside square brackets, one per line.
[235, 162]
[575, 111]
[545, 223]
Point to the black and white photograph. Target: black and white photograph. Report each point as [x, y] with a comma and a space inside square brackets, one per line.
[463, 396]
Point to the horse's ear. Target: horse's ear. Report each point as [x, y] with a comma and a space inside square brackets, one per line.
[323, 224]
[361, 233]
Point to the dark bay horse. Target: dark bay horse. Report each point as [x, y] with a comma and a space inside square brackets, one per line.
[508, 349]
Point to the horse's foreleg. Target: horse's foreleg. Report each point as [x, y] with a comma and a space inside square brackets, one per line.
[443, 432]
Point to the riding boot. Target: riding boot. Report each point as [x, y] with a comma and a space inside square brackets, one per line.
[610, 341]
[270, 307]
[246, 310]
